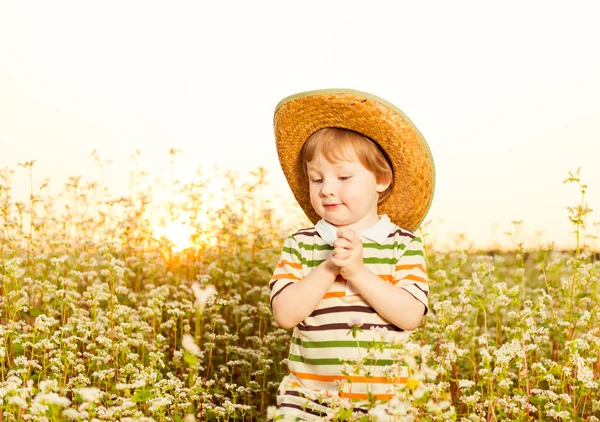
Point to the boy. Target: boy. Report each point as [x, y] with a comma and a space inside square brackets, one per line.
[349, 156]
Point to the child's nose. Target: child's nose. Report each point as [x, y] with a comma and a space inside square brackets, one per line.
[326, 188]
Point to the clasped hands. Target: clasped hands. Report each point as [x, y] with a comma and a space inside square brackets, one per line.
[347, 256]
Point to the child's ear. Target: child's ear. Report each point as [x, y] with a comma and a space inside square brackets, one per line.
[383, 184]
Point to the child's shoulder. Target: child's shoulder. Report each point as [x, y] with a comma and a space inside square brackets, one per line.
[404, 240]
[399, 234]
[309, 232]
[306, 239]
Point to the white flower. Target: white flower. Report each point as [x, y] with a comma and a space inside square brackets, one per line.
[71, 413]
[47, 386]
[355, 321]
[399, 408]
[585, 374]
[17, 400]
[44, 323]
[202, 295]
[271, 412]
[465, 383]
[188, 344]
[90, 395]
[379, 413]
[119, 271]
[159, 403]
[52, 398]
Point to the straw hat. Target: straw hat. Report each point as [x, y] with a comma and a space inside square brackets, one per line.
[300, 115]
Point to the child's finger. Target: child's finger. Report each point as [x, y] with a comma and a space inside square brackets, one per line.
[341, 253]
[336, 262]
[343, 243]
[349, 235]
[340, 232]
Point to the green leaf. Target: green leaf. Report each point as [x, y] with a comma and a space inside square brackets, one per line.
[343, 414]
[17, 349]
[34, 312]
[190, 359]
[537, 400]
[143, 395]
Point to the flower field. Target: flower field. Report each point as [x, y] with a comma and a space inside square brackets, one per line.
[102, 320]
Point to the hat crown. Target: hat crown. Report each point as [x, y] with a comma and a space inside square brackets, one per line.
[300, 115]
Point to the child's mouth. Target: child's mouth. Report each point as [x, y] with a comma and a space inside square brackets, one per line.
[332, 206]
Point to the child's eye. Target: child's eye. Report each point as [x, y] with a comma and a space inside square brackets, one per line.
[317, 180]
[344, 177]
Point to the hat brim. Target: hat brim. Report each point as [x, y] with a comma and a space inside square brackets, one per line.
[298, 116]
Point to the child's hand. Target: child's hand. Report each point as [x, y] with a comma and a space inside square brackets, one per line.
[331, 267]
[348, 254]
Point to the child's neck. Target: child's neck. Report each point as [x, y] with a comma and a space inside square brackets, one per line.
[360, 226]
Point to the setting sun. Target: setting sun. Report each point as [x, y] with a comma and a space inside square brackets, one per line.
[177, 233]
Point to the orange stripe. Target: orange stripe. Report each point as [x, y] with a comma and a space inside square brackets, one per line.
[413, 278]
[363, 396]
[334, 294]
[357, 379]
[296, 265]
[390, 278]
[287, 275]
[410, 267]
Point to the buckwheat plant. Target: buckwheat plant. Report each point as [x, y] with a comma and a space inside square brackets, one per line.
[101, 319]
[416, 397]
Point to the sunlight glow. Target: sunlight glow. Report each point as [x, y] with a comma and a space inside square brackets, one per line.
[177, 233]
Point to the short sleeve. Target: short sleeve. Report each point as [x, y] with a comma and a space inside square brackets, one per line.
[411, 273]
[288, 270]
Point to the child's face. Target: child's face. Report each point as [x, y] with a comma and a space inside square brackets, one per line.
[344, 193]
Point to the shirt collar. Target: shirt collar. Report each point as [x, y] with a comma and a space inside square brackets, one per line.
[377, 233]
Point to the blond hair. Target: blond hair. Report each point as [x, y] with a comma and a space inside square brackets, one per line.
[337, 144]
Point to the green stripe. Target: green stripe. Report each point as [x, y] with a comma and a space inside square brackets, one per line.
[314, 263]
[309, 247]
[413, 253]
[303, 260]
[378, 247]
[333, 343]
[371, 260]
[380, 260]
[336, 361]
[322, 361]
[292, 251]
[285, 417]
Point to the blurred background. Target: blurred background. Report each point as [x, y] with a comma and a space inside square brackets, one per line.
[506, 94]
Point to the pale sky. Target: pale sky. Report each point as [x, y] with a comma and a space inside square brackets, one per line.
[507, 94]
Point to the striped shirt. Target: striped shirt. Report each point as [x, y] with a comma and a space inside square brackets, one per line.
[321, 345]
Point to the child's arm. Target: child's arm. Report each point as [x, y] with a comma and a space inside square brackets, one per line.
[293, 296]
[294, 304]
[394, 304]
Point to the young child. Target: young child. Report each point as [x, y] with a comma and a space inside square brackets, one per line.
[355, 267]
